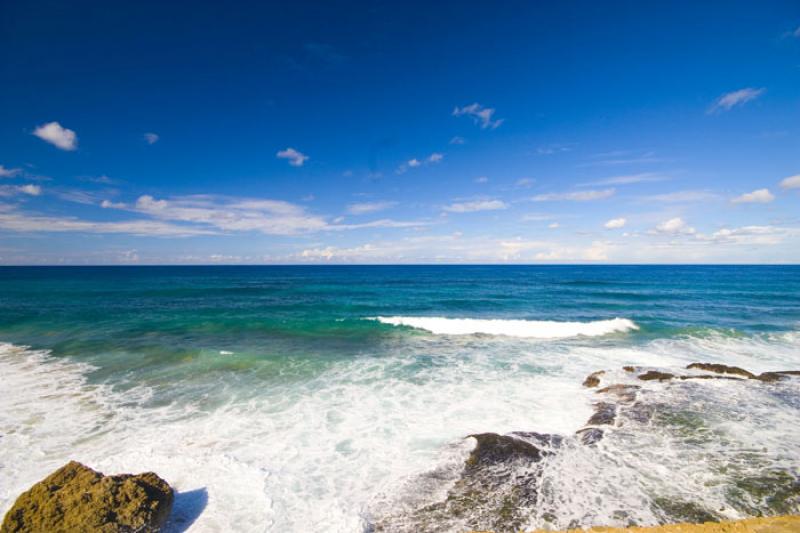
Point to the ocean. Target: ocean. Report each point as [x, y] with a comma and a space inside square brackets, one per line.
[340, 398]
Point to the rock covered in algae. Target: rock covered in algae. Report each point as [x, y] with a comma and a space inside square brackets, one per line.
[77, 498]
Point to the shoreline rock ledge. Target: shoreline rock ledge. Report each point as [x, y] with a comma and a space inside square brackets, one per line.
[77, 498]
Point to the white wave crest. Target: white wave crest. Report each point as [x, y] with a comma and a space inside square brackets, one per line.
[532, 329]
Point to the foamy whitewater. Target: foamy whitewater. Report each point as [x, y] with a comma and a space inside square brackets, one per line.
[531, 329]
[275, 400]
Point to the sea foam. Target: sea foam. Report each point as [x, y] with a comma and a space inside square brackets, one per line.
[533, 329]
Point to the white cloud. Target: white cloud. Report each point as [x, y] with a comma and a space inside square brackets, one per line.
[578, 196]
[13, 190]
[57, 135]
[550, 149]
[33, 190]
[524, 183]
[231, 214]
[629, 179]
[458, 140]
[735, 98]
[22, 222]
[792, 182]
[598, 251]
[554, 225]
[481, 179]
[432, 159]
[675, 226]
[108, 204]
[9, 172]
[151, 138]
[481, 115]
[759, 196]
[615, 223]
[369, 207]
[296, 158]
[478, 205]
[681, 197]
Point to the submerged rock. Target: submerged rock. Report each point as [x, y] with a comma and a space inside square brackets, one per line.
[77, 498]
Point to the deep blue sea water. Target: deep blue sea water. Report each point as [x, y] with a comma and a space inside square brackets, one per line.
[302, 398]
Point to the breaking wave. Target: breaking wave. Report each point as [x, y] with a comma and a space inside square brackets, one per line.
[532, 329]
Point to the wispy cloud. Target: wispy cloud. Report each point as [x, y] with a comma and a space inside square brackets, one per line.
[221, 214]
[481, 179]
[681, 197]
[9, 172]
[13, 190]
[732, 99]
[151, 138]
[458, 140]
[57, 135]
[477, 205]
[576, 196]
[674, 226]
[615, 223]
[555, 148]
[295, 157]
[432, 159]
[622, 157]
[759, 196]
[481, 115]
[369, 207]
[25, 222]
[629, 179]
[792, 182]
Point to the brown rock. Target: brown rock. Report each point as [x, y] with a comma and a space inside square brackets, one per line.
[629, 368]
[604, 413]
[493, 449]
[593, 379]
[655, 374]
[770, 377]
[77, 498]
[721, 369]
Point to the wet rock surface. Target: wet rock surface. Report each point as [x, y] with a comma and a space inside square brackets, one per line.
[503, 483]
[77, 498]
[593, 379]
[721, 369]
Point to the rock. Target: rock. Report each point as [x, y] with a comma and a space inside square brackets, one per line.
[493, 449]
[721, 369]
[629, 368]
[604, 413]
[623, 393]
[593, 379]
[769, 377]
[77, 498]
[655, 374]
[589, 436]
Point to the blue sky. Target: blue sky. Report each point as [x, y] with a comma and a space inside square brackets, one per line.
[399, 132]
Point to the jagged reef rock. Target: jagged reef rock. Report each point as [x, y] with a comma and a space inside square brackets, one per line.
[721, 369]
[77, 498]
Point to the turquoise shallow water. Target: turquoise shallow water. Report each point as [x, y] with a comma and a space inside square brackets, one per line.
[281, 377]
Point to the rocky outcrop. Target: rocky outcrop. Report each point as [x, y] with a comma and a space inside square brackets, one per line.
[593, 379]
[77, 498]
[652, 375]
[721, 369]
[502, 483]
[774, 524]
